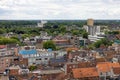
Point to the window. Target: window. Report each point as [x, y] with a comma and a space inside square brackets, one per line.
[101, 73]
[46, 58]
[1, 59]
[47, 54]
[107, 73]
[2, 54]
[37, 59]
[6, 60]
[40, 59]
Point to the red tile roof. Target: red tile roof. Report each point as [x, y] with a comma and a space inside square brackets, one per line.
[100, 60]
[71, 66]
[70, 49]
[116, 70]
[85, 72]
[106, 66]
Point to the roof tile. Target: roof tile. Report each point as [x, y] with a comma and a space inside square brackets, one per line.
[85, 72]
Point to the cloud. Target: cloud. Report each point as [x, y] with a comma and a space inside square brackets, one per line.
[59, 9]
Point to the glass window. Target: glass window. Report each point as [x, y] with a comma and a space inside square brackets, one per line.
[40, 59]
[46, 58]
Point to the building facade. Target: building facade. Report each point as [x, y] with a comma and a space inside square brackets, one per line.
[40, 56]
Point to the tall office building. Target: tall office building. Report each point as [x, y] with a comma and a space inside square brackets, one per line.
[90, 28]
[90, 22]
[93, 31]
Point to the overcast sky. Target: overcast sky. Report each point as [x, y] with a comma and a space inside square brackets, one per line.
[59, 9]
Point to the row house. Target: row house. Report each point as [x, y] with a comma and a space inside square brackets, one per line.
[57, 62]
[17, 72]
[116, 73]
[50, 74]
[78, 41]
[7, 55]
[102, 71]
[5, 63]
[72, 65]
[116, 58]
[36, 39]
[38, 56]
[62, 42]
[5, 51]
[81, 55]
[105, 69]
[70, 41]
[85, 74]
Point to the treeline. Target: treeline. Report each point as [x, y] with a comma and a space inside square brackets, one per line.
[80, 23]
[16, 23]
[52, 27]
[21, 30]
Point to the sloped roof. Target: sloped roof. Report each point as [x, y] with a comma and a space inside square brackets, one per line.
[70, 49]
[106, 66]
[116, 70]
[85, 72]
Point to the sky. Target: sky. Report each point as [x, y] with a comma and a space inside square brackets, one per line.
[59, 9]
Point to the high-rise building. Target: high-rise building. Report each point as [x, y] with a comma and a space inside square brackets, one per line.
[90, 22]
[93, 31]
[90, 28]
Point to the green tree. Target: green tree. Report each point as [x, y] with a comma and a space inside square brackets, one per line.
[62, 28]
[91, 46]
[103, 41]
[85, 35]
[49, 44]
[98, 43]
[2, 31]
[14, 37]
[25, 35]
[32, 67]
[7, 40]
[75, 32]
[112, 32]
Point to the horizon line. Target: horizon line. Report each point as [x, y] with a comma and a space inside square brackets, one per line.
[52, 19]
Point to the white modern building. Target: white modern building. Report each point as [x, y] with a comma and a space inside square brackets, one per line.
[94, 38]
[92, 30]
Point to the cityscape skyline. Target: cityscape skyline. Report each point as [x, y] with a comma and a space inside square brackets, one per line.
[59, 9]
